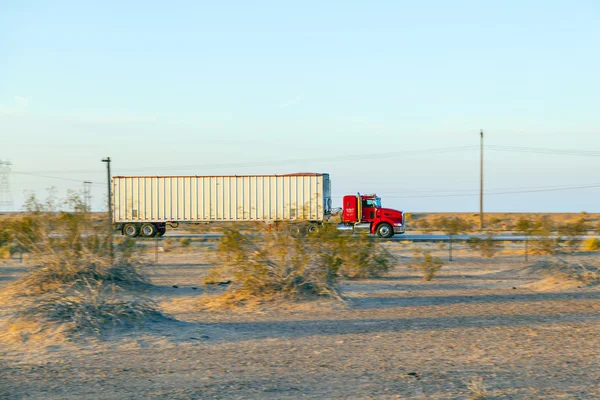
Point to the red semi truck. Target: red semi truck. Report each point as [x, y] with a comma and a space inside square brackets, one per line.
[365, 212]
[146, 205]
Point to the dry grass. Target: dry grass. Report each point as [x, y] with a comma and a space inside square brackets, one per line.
[88, 309]
[279, 266]
[559, 273]
[78, 286]
[486, 247]
[477, 389]
[54, 274]
[283, 266]
[591, 244]
[426, 263]
[499, 222]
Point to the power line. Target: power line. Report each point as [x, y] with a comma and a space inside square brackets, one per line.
[53, 177]
[540, 150]
[393, 154]
[474, 191]
[500, 193]
[441, 150]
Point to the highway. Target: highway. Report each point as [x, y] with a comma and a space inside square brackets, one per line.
[395, 238]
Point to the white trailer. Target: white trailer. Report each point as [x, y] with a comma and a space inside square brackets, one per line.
[143, 205]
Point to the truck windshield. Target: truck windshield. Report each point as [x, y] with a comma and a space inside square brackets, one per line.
[378, 202]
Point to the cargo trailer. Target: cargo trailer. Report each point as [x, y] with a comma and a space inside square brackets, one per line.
[145, 205]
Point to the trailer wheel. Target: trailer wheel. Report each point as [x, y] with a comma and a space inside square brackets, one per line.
[294, 230]
[161, 231]
[148, 230]
[312, 229]
[385, 230]
[131, 230]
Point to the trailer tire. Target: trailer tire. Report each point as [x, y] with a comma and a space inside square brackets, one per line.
[148, 230]
[131, 230]
[161, 231]
[385, 230]
[311, 229]
[296, 230]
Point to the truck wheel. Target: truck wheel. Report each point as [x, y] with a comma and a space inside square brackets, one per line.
[385, 230]
[131, 230]
[148, 230]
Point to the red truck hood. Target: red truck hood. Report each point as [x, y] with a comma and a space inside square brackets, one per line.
[392, 214]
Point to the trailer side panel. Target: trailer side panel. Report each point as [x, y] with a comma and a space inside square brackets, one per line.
[221, 198]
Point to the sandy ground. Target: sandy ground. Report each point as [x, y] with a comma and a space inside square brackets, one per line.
[476, 328]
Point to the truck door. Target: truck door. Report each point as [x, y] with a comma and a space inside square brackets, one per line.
[350, 209]
[368, 210]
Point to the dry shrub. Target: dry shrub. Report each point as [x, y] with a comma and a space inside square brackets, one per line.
[563, 269]
[426, 263]
[591, 244]
[88, 308]
[424, 225]
[453, 225]
[5, 252]
[167, 245]
[572, 233]
[56, 272]
[477, 389]
[78, 284]
[588, 274]
[283, 266]
[360, 255]
[70, 249]
[488, 247]
[278, 266]
[7, 244]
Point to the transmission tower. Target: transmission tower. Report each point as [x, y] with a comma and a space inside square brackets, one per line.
[87, 195]
[6, 201]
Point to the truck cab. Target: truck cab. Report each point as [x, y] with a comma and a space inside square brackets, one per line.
[365, 212]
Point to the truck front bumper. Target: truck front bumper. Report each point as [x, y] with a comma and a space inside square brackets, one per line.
[399, 229]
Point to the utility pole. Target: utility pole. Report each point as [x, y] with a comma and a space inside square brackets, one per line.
[110, 238]
[481, 181]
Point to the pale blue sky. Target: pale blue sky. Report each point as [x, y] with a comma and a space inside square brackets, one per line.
[155, 85]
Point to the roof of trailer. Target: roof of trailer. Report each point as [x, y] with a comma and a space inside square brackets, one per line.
[218, 176]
